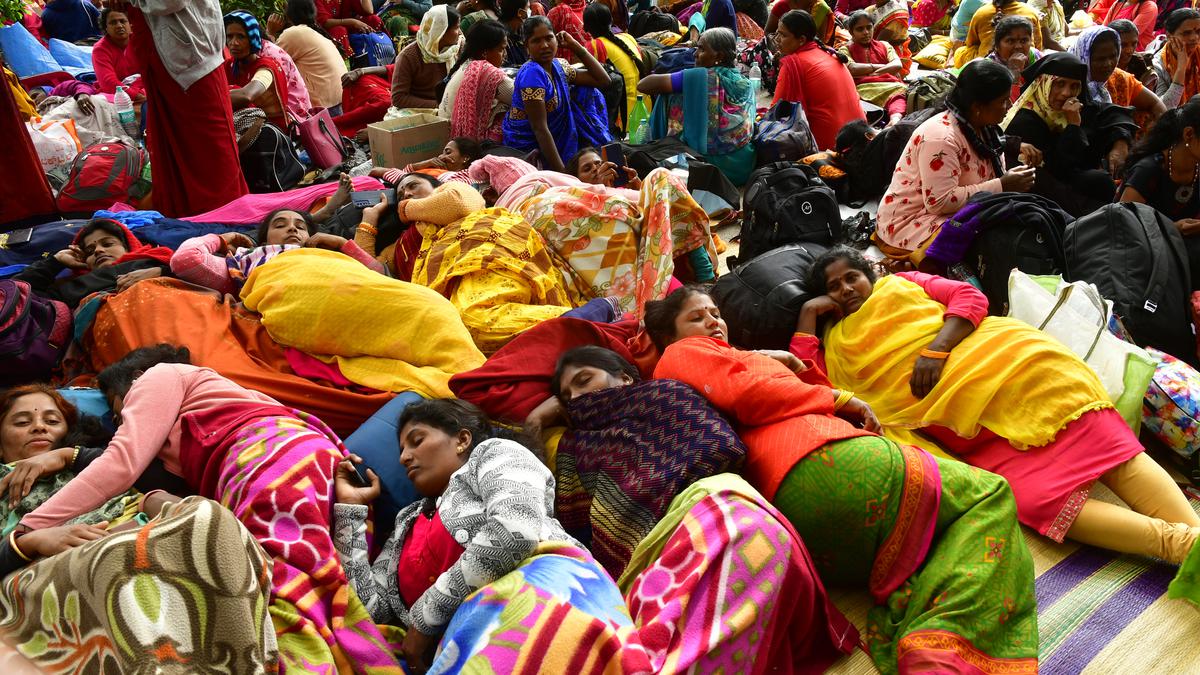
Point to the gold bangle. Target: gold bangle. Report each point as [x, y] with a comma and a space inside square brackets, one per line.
[74, 457]
[932, 354]
[12, 541]
[842, 399]
[369, 229]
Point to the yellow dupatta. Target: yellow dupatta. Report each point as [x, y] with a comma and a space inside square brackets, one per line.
[1006, 376]
[383, 333]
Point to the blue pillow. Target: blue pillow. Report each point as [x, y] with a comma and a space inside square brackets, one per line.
[377, 443]
[90, 402]
[25, 55]
[70, 56]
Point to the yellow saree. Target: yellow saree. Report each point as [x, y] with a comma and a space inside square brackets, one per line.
[381, 332]
[1006, 376]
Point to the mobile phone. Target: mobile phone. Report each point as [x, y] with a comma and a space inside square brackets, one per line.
[16, 237]
[613, 153]
[367, 198]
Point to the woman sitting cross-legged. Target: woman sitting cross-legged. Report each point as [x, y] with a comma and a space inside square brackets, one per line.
[714, 100]
[556, 108]
[875, 67]
[426, 61]
[254, 79]
[999, 394]
[936, 542]
[815, 76]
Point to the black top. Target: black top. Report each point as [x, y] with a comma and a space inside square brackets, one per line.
[1065, 153]
[1150, 178]
[42, 274]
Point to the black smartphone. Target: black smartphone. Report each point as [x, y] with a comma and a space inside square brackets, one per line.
[1139, 64]
[16, 237]
[366, 198]
[615, 154]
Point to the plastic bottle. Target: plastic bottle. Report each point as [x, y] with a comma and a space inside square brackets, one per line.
[641, 135]
[638, 115]
[125, 114]
[755, 77]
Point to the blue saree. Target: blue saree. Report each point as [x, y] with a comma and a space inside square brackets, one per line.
[577, 116]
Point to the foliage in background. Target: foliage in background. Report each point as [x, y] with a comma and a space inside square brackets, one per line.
[11, 11]
[261, 9]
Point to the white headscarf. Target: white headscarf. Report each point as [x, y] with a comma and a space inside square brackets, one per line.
[433, 27]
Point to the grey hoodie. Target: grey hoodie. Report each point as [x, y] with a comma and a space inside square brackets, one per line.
[188, 34]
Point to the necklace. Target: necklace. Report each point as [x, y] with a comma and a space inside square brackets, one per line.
[1184, 194]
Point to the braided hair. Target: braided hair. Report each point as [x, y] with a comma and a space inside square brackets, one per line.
[597, 21]
[801, 24]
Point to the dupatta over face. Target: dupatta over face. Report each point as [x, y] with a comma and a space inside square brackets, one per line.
[629, 452]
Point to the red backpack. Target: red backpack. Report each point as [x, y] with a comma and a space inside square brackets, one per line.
[104, 173]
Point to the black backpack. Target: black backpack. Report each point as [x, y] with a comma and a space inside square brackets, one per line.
[1020, 231]
[873, 173]
[786, 203]
[647, 157]
[1136, 257]
[270, 162]
[615, 101]
[651, 21]
[760, 300]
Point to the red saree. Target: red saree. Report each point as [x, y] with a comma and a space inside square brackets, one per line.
[240, 75]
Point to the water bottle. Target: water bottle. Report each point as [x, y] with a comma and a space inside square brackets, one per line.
[641, 135]
[125, 113]
[755, 77]
[638, 115]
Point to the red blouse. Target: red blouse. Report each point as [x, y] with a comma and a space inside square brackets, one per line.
[428, 551]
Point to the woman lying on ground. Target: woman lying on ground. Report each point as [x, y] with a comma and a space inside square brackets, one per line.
[222, 262]
[944, 546]
[104, 256]
[82, 562]
[270, 465]
[1000, 395]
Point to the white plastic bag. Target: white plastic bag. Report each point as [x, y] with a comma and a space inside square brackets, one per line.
[56, 141]
[1077, 316]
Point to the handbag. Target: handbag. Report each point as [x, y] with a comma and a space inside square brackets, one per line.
[1077, 315]
[321, 139]
[784, 135]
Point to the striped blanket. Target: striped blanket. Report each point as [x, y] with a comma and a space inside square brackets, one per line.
[1098, 612]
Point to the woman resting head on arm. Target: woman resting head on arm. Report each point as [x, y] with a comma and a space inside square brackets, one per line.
[588, 166]
[488, 503]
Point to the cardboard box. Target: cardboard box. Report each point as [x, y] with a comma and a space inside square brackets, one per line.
[404, 140]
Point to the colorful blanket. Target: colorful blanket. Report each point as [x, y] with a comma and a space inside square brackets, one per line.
[1099, 612]
[276, 476]
[45, 488]
[611, 246]
[382, 333]
[148, 600]
[629, 452]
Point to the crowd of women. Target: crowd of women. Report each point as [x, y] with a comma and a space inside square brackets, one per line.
[498, 422]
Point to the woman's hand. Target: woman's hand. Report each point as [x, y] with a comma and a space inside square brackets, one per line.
[1117, 157]
[548, 413]
[813, 310]
[632, 181]
[85, 104]
[1018, 179]
[26, 472]
[788, 359]
[1182, 59]
[325, 240]
[926, 374]
[351, 76]
[1071, 110]
[276, 24]
[1017, 62]
[1188, 227]
[54, 540]
[858, 412]
[235, 240]
[357, 26]
[416, 650]
[347, 484]
[130, 278]
[565, 40]
[1032, 156]
[72, 257]
[372, 214]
